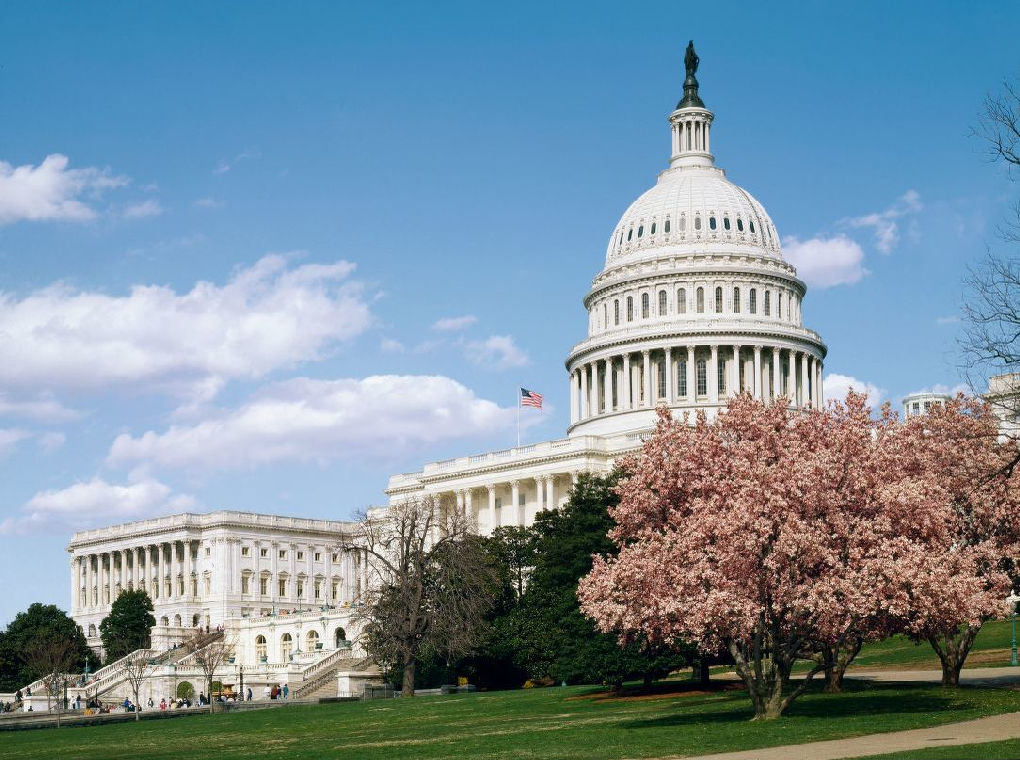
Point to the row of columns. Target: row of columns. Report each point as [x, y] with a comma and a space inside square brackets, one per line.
[98, 577]
[545, 498]
[592, 384]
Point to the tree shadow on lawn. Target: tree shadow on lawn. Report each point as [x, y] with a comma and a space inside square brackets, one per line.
[852, 703]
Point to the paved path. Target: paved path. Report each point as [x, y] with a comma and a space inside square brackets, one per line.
[990, 729]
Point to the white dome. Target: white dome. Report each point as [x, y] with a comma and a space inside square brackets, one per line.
[678, 214]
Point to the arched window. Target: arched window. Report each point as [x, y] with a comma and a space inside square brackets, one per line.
[697, 222]
[640, 230]
[779, 305]
[666, 226]
[768, 305]
[751, 222]
[286, 647]
[339, 638]
[162, 621]
[711, 223]
[92, 629]
[630, 234]
[681, 300]
[701, 300]
[616, 312]
[753, 304]
[177, 620]
[718, 300]
[681, 377]
[630, 308]
[740, 224]
[662, 303]
[312, 640]
[702, 378]
[726, 223]
[644, 306]
[653, 228]
[605, 315]
[736, 300]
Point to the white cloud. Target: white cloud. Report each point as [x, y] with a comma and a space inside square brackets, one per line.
[836, 386]
[305, 420]
[885, 224]
[450, 324]
[42, 408]
[10, 438]
[495, 352]
[51, 191]
[266, 317]
[95, 502]
[390, 346]
[50, 442]
[944, 389]
[208, 203]
[142, 209]
[225, 166]
[825, 262]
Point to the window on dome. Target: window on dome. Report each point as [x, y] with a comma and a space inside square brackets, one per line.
[605, 315]
[751, 222]
[630, 308]
[630, 234]
[616, 312]
[652, 230]
[740, 224]
[768, 306]
[697, 222]
[681, 300]
[644, 306]
[640, 230]
[779, 306]
[702, 373]
[718, 300]
[726, 223]
[662, 303]
[666, 227]
[752, 305]
[701, 300]
[711, 223]
[736, 300]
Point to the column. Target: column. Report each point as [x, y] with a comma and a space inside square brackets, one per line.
[804, 388]
[550, 493]
[573, 397]
[136, 573]
[692, 389]
[607, 385]
[515, 499]
[713, 376]
[493, 517]
[539, 494]
[626, 401]
[593, 404]
[585, 398]
[669, 375]
[469, 511]
[75, 586]
[364, 572]
[735, 388]
[820, 383]
[460, 502]
[274, 584]
[310, 572]
[756, 389]
[646, 378]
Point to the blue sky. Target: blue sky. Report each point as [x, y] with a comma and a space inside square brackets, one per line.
[260, 257]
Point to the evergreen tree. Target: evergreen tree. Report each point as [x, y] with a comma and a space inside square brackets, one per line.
[38, 623]
[128, 626]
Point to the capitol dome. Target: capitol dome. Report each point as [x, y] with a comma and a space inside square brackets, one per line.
[695, 302]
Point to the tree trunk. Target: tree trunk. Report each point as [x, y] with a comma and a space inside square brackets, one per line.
[952, 651]
[407, 689]
[704, 674]
[837, 659]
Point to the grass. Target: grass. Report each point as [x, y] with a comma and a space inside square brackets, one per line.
[536, 723]
[991, 648]
[1004, 750]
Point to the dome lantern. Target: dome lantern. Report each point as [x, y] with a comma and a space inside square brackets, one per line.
[691, 122]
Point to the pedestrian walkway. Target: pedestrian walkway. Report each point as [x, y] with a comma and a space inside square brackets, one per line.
[991, 729]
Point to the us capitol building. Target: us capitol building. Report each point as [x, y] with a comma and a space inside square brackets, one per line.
[694, 304]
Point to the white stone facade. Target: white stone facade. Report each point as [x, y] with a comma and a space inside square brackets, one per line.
[205, 569]
[694, 304]
[920, 403]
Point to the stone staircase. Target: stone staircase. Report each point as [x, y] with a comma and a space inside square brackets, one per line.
[320, 678]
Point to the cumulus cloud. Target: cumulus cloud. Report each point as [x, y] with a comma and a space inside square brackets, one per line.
[10, 438]
[95, 502]
[885, 224]
[265, 317]
[43, 408]
[826, 262]
[495, 352]
[391, 346]
[450, 324]
[51, 191]
[310, 420]
[142, 209]
[836, 386]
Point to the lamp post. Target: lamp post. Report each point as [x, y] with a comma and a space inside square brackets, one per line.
[1013, 599]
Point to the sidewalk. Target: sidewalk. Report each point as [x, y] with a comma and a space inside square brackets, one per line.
[990, 729]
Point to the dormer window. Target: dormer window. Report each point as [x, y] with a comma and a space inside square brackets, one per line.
[630, 234]
[697, 223]
[740, 224]
[666, 227]
[711, 223]
[640, 230]
[726, 223]
[751, 222]
[652, 231]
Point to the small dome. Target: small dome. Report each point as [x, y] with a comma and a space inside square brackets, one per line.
[692, 209]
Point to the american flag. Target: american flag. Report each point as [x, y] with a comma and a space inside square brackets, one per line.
[530, 398]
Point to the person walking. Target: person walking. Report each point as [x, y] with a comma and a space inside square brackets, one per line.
[249, 694]
[286, 691]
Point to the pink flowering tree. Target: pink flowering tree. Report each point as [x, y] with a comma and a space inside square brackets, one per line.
[955, 513]
[760, 532]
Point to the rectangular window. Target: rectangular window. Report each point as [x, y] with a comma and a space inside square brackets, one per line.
[661, 372]
[335, 555]
[245, 584]
[282, 588]
[520, 499]
[779, 306]
[768, 305]
[499, 502]
[263, 552]
[736, 300]
[300, 588]
[682, 300]
[753, 305]
[335, 589]
[263, 586]
[630, 309]
[681, 378]
[318, 590]
[721, 366]
[283, 554]
[245, 551]
[317, 556]
[207, 551]
[300, 555]
[702, 377]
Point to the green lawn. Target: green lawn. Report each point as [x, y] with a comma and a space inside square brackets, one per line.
[991, 648]
[1005, 750]
[566, 722]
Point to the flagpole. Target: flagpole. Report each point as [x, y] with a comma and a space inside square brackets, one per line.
[518, 418]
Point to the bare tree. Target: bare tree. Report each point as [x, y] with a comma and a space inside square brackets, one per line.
[137, 667]
[209, 658]
[54, 656]
[430, 585]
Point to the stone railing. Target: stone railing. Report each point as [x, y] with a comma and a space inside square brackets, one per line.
[110, 678]
[319, 672]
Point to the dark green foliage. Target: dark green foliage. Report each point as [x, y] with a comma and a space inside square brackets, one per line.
[39, 622]
[128, 625]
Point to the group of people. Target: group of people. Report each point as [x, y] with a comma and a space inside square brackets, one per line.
[275, 692]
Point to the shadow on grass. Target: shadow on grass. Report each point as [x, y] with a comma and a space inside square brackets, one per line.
[854, 703]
